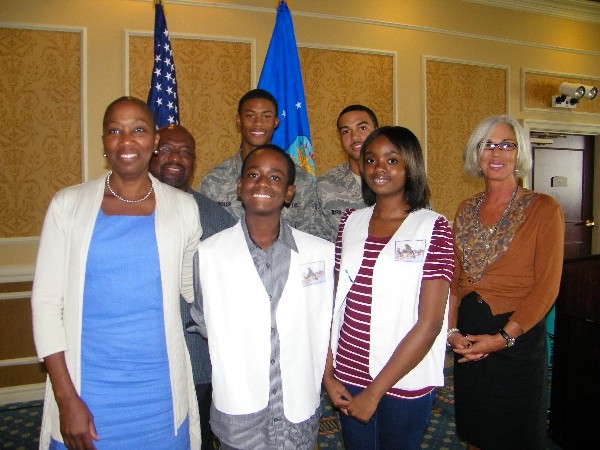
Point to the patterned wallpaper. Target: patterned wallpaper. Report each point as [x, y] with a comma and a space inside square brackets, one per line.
[211, 78]
[459, 96]
[213, 75]
[540, 87]
[40, 109]
[334, 79]
[40, 113]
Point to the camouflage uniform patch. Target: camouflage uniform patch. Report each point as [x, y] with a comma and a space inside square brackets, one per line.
[339, 190]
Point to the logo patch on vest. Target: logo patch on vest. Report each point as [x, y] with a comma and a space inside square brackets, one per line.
[312, 273]
[410, 250]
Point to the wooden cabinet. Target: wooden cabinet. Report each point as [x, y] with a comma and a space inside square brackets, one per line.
[575, 389]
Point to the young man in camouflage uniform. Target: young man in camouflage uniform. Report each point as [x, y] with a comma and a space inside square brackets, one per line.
[257, 120]
[340, 188]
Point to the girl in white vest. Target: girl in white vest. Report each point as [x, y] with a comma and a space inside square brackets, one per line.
[394, 264]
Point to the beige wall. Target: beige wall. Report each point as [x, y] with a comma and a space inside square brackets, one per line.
[414, 33]
[458, 31]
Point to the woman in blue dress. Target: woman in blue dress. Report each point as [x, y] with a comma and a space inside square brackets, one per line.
[115, 254]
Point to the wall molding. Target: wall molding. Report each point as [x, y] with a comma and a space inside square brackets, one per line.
[584, 11]
[24, 393]
[561, 127]
[369, 51]
[19, 361]
[387, 24]
[20, 240]
[81, 33]
[84, 85]
[427, 58]
[23, 295]
[15, 274]
[39, 27]
[525, 70]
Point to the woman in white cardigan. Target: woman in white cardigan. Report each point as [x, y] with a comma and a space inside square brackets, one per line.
[115, 254]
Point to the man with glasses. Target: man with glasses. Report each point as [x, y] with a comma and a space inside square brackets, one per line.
[173, 164]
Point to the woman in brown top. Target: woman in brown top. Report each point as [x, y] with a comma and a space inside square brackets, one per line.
[509, 251]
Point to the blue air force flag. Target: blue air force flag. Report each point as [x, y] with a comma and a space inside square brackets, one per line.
[282, 77]
[162, 97]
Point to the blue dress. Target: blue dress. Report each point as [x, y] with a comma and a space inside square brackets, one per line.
[124, 365]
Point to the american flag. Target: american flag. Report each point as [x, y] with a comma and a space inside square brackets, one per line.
[162, 97]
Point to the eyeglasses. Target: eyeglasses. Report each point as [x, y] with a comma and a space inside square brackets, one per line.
[504, 146]
[184, 152]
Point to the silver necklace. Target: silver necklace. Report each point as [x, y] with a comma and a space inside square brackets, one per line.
[124, 199]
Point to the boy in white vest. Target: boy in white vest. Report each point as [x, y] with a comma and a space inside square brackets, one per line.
[264, 300]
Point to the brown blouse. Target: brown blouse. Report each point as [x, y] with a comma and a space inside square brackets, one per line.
[518, 268]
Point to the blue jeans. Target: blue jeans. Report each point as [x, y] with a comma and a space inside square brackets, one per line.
[396, 424]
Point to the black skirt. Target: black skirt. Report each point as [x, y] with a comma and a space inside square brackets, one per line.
[501, 401]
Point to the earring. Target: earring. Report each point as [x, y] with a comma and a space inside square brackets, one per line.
[156, 152]
[104, 155]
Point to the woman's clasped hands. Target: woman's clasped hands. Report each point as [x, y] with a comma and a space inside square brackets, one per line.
[475, 347]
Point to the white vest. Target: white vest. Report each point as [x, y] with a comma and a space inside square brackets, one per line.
[396, 287]
[238, 323]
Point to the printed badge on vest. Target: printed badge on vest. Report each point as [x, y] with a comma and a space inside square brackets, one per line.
[313, 273]
[410, 250]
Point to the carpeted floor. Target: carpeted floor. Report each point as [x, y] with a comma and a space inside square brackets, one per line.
[19, 424]
[19, 428]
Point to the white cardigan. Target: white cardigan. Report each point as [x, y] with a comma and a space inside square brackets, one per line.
[57, 295]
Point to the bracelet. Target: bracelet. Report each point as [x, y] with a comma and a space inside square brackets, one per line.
[450, 331]
[510, 341]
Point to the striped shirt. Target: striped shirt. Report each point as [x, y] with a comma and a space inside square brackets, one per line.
[352, 359]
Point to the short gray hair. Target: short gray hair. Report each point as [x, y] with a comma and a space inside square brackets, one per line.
[481, 133]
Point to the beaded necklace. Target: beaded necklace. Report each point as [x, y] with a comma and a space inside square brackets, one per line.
[124, 199]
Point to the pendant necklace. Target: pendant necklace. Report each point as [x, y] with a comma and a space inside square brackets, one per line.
[124, 199]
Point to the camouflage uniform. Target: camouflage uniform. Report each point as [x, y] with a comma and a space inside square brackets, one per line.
[305, 213]
[339, 190]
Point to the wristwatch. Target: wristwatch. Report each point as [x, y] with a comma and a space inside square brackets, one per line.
[510, 341]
